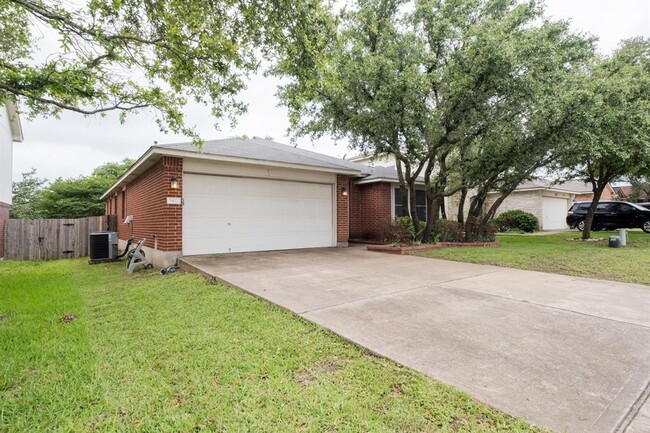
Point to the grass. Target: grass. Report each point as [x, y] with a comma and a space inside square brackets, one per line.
[562, 254]
[88, 348]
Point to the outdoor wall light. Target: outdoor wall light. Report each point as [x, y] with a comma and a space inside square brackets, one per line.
[344, 191]
[173, 183]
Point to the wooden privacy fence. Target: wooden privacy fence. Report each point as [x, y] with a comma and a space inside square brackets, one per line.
[50, 239]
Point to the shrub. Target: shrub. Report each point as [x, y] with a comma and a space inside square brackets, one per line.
[474, 233]
[448, 231]
[396, 232]
[515, 220]
[402, 231]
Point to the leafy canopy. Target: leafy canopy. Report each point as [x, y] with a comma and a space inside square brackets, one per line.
[127, 55]
[65, 198]
[614, 135]
[463, 93]
[26, 195]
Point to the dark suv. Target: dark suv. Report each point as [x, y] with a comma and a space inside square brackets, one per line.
[610, 215]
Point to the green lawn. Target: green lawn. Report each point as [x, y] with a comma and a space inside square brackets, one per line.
[88, 348]
[562, 254]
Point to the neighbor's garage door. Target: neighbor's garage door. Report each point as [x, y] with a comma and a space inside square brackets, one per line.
[227, 214]
[554, 212]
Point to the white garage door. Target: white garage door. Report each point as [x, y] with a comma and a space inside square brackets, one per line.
[554, 212]
[227, 214]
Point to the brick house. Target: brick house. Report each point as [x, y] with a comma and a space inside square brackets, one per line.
[238, 195]
[10, 132]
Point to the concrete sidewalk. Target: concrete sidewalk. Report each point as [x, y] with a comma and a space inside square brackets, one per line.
[563, 352]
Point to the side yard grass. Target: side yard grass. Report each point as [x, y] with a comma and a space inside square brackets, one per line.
[560, 253]
[88, 348]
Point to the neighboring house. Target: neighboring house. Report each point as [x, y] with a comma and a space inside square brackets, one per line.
[383, 160]
[238, 195]
[626, 193]
[10, 132]
[547, 200]
[609, 193]
[623, 192]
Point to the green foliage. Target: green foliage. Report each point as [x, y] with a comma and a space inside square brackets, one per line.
[449, 231]
[477, 231]
[26, 195]
[517, 220]
[402, 231]
[415, 232]
[640, 189]
[81, 196]
[463, 93]
[129, 55]
[613, 138]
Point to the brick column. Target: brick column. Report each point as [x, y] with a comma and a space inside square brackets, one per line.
[342, 210]
[173, 234]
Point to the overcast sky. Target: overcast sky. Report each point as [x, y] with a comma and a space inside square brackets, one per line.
[73, 145]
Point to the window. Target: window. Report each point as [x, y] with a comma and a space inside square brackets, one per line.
[420, 204]
[603, 207]
[398, 204]
[623, 208]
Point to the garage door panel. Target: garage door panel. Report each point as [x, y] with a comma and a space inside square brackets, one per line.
[554, 211]
[224, 214]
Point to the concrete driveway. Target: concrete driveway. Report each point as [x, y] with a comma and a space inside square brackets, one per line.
[567, 353]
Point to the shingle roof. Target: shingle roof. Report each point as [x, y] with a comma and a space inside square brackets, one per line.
[267, 150]
[574, 186]
[380, 173]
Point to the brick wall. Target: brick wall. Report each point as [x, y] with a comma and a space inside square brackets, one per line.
[369, 210]
[146, 199]
[584, 197]
[4, 216]
[342, 209]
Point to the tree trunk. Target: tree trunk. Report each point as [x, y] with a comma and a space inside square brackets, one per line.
[589, 219]
[461, 205]
[414, 212]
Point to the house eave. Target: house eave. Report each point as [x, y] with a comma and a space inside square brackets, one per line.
[154, 154]
[364, 181]
[14, 121]
[564, 191]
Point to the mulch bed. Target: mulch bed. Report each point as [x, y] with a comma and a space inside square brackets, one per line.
[393, 249]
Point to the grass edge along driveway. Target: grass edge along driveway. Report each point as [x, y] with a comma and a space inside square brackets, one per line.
[562, 253]
[88, 348]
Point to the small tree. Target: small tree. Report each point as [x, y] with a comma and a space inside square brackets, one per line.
[26, 195]
[640, 188]
[438, 84]
[80, 197]
[614, 139]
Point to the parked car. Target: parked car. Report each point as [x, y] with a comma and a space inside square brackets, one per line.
[610, 215]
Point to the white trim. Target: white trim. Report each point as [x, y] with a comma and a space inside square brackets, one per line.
[14, 121]
[383, 179]
[541, 188]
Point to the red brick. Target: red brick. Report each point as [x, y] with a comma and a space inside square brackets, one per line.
[146, 200]
[370, 210]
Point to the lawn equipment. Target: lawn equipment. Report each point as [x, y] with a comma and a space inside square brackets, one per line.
[136, 257]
